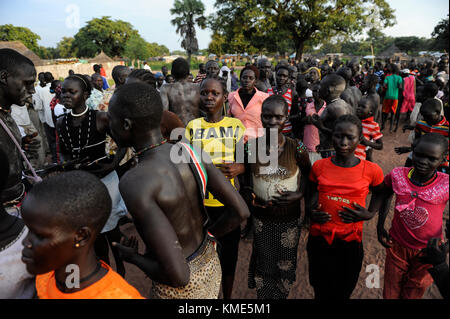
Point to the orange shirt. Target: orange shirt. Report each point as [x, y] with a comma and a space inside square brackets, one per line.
[340, 187]
[250, 116]
[111, 286]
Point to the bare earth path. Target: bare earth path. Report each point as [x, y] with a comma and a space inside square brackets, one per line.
[374, 252]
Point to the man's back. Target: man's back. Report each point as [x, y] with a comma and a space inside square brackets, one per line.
[182, 98]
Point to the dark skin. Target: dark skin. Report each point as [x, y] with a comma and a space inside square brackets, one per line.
[273, 117]
[74, 98]
[248, 81]
[363, 111]
[51, 246]
[171, 231]
[97, 82]
[346, 138]
[212, 69]
[427, 157]
[212, 99]
[432, 115]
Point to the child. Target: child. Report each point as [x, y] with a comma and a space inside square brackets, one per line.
[369, 87]
[433, 121]
[219, 140]
[339, 186]
[16, 281]
[392, 84]
[276, 206]
[63, 226]
[372, 137]
[421, 196]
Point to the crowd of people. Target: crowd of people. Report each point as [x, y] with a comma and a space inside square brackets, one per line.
[188, 162]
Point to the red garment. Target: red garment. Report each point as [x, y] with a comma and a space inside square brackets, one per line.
[371, 132]
[389, 106]
[341, 187]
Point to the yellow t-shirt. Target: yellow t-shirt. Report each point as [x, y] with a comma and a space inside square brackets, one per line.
[218, 140]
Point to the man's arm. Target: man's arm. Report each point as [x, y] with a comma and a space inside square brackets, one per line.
[164, 96]
[169, 265]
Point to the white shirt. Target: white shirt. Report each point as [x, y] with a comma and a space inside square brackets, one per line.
[37, 103]
[59, 110]
[45, 98]
[147, 67]
[21, 117]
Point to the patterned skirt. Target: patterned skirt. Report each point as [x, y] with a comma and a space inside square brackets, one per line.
[274, 258]
[205, 279]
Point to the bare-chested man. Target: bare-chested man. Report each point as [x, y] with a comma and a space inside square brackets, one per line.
[330, 90]
[165, 198]
[181, 97]
[352, 95]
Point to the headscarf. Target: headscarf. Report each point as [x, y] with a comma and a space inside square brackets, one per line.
[314, 68]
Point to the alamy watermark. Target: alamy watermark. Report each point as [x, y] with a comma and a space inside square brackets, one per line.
[73, 17]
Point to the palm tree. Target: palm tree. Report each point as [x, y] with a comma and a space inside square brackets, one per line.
[187, 14]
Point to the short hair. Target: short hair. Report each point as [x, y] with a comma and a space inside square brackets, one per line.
[433, 138]
[345, 72]
[283, 67]
[372, 80]
[117, 70]
[222, 82]
[251, 68]
[276, 99]
[4, 169]
[349, 118]
[430, 90]
[432, 103]
[334, 80]
[84, 82]
[180, 68]
[144, 75]
[260, 61]
[48, 76]
[96, 68]
[211, 61]
[11, 60]
[140, 102]
[76, 198]
[54, 84]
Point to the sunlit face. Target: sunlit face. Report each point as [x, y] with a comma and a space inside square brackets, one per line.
[20, 84]
[266, 69]
[273, 116]
[72, 95]
[345, 138]
[212, 69]
[364, 109]
[211, 96]
[314, 75]
[431, 114]
[282, 77]
[48, 246]
[248, 80]
[97, 82]
[427, 157]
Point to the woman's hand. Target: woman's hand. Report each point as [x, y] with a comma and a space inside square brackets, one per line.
[356, 214]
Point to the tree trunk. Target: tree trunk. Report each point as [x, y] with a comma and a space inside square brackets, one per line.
[189, 58]
[299, 46]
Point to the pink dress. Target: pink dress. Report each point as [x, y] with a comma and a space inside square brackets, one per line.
[418, 210]
[409, 98]
[311, 133]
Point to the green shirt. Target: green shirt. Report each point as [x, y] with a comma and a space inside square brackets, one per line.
[392, 82]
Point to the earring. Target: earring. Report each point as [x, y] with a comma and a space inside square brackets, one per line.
[77, 245]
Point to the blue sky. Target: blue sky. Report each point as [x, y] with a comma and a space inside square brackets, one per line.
[54, 19]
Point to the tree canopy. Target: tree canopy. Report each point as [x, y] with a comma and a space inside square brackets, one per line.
[440, 35]
[9, 32]
[268, 23]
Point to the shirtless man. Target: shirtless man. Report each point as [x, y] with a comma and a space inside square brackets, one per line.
[265, 75]
[165, 201]
[17, 76]
[352, 95]
[183, 96]
[330, 90]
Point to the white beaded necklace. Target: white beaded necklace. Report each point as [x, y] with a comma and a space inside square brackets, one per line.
[79, 148]
[80, 114]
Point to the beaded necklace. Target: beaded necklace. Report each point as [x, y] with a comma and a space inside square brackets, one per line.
[431, 180]
[69, 137]
[145, 149]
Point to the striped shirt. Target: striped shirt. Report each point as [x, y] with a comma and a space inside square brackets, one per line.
[287, 128]
[423, 127]
[371, 132]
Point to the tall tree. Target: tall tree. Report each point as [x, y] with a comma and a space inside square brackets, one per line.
[440, 35]
[9, 32]
[188, 13]
[302, 21]
[65, 48]
[136, 48]
[103, 34]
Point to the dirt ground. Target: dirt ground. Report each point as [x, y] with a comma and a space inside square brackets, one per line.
[374, 252]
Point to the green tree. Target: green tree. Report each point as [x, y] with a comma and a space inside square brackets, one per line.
[188, 13]
[156, 49]
[65, 48]
[104, 34]
[303, 22]
[440, 35]
[9, 32]
[136, 48]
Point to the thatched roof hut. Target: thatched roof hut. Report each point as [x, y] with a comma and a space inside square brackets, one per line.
[22, 49]
[392, 52]
[101, 58]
